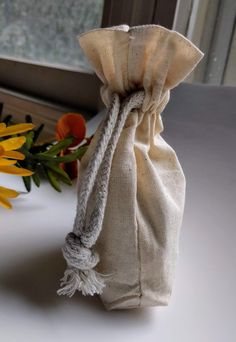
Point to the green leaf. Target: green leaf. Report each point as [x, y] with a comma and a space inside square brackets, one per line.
[27, 183]
[28, 118]
[81, 151]
[7, 119]
[27, 154]
[29, 140]
[1, 108]
[36, 179]
[53, 180]
[61, 174]
[37, 132]
[43, 157]
[78, 154]
[58, 147]
[40, 148]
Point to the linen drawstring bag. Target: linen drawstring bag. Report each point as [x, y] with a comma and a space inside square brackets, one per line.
[131, 186]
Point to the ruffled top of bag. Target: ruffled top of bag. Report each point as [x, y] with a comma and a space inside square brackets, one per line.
[147, 57]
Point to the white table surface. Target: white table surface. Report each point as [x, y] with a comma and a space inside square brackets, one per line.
[203, 304]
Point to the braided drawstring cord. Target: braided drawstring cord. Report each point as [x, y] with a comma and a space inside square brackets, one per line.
[81, 259]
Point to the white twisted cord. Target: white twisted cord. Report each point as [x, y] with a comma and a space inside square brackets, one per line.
[87, 182]
[81, 260]
[93, 229]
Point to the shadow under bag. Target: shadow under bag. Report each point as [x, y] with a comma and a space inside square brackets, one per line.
[131, 187]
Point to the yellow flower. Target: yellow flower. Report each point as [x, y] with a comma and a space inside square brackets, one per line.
[14, 129]
[9, 157]
[6, 193]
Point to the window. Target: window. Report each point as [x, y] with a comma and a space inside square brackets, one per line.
[42, 70]
[39, 54]
[45, 31]
[210, 24]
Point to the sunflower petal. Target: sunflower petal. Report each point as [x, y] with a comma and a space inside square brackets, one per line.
[2, 126]
[7, 161]
[8, 193]
[5, 203]
[1, 151]
[12, 143]
[13, 170]
[14, 129]
[13, 155]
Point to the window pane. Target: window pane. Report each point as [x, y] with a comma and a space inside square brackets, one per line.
[210, 24]
[45, 31]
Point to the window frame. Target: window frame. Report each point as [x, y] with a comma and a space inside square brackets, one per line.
[209, 24]
[79, 89]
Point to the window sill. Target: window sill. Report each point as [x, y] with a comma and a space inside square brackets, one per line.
[19, 105]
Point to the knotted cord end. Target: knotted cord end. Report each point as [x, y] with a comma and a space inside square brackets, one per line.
[80, 274]
[89, 282]
[81, 259]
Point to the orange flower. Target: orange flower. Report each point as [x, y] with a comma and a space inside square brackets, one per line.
[68, 125]
[71, 124]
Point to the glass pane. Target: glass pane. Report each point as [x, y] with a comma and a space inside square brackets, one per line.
[210, 24]
[45, 31]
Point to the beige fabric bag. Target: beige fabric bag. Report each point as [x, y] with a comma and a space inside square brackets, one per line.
[136, 173]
